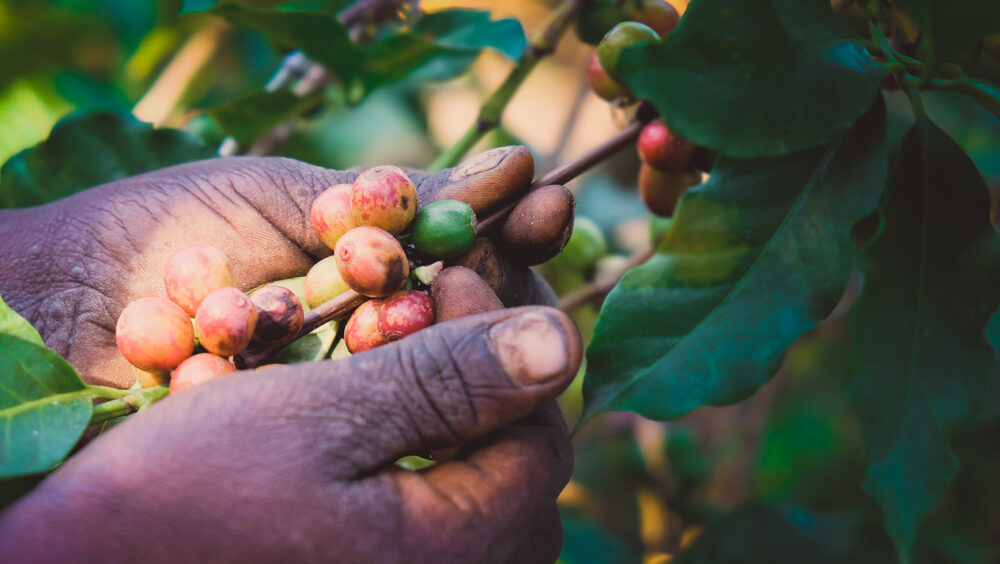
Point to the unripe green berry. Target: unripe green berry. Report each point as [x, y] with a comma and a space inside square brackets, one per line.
[324, 282]
[623, 35]
[444, 229]
[585, 246]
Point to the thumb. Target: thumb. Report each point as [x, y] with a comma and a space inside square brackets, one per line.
[445, 385]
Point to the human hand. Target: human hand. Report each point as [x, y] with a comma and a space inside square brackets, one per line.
[295, 463]
[73, 265]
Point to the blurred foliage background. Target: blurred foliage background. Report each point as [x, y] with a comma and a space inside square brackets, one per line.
[772, 479]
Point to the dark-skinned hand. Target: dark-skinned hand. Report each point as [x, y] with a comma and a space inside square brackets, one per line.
[295, 463]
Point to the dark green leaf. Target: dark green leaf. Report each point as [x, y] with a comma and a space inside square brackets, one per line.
[753, 259]
[441, 45]
[251, 116]
[585, 542]
[16, 326]
[90, 149]
[44, 407]
[923, 366]
[756, 78]
[320, 36]
[765, 532]
[951, 28]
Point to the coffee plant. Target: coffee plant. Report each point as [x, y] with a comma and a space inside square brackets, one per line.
[816, 254]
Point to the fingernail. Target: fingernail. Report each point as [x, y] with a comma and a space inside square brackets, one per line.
[531, 347]
[479, 163]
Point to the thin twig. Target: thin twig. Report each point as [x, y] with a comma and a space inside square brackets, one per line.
[541, 44]
[570, 170]
[596, 290]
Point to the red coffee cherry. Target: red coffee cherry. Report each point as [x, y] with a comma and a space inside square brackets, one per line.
[405, 313]
[661, 190]
[194, 272]
[361, 332]
[226, 321]
[371, 261]
[661, 149]
[154, 334]
[198, 369]
[384, 197]
[331, 214]
[657, 14]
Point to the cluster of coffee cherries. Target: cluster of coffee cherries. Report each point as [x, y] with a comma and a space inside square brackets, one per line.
[192, 335]
[667, 160]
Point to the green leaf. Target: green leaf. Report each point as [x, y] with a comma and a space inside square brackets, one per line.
[756, 78]
[319, 35]
[441, 45]
[766, 532]
[85, 150]
[16, 326]
[951, 28]
[311, 347]
[44, 407]
[753, 259]
[922, 363]
[251, 116]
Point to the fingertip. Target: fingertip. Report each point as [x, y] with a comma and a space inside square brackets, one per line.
[483, 180]
[539, 225]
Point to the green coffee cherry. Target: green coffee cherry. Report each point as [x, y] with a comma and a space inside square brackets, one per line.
[623, 35]
[444, 229]
[585, 246]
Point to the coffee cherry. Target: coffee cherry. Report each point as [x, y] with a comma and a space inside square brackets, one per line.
[226, 321]
[198, 369]
[279, 313]
[331, 214]
[324, 282]
[405, 313]
[662, 150]
[585, 246]
[154, 334]
[661, 190]
[602, 84]
[444, 229]
[621, 36]
[371, 261]
[597, 17]
[384, 197]
[660, 16]
[361, 332]
[194, 272]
